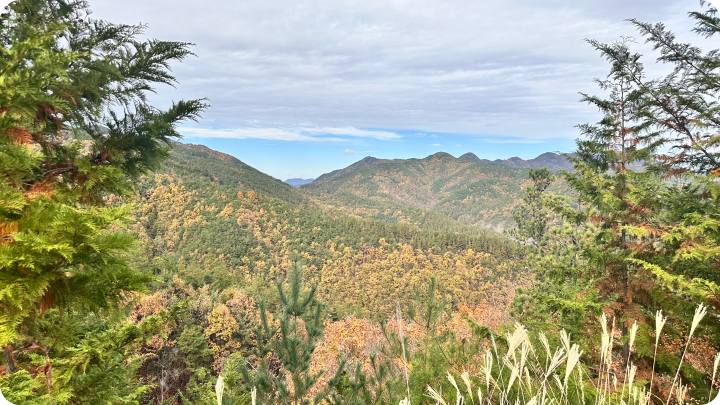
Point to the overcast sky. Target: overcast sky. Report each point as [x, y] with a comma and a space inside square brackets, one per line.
[300, 87]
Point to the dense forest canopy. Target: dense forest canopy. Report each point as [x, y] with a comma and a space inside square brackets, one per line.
[137, 269]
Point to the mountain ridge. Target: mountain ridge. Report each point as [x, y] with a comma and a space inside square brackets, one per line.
[467, 189]
[550, 160]
[226, 170]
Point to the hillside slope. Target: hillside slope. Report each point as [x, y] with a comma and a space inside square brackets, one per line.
[466, 189]
[211, 219]
[196, 162]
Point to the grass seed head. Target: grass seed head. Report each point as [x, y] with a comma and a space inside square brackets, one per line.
[659, 324]
[633, 333]
[435, 396]
[699, 315]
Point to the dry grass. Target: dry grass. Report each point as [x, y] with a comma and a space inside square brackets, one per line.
[522, 372]
[537, 374]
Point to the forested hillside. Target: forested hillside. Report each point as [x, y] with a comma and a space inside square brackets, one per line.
[467, 189]
[198, 163]
[207, 210]
[218, 229]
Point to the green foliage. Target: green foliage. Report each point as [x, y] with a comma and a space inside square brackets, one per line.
[437, 192]
[641, 229]
[286, 346]
[531, 217]
[75, 131]
[194, 347]
[85, 358]
[635, 226]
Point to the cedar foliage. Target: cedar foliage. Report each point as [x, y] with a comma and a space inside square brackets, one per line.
[75, 131]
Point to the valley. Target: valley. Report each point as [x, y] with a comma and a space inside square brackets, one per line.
[207, 211]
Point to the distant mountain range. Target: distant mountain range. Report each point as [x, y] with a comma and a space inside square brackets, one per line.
[466, 189]
[437, 189]
[549, 160]
[297, 182]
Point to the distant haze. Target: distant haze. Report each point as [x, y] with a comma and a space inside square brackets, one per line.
[298, 182]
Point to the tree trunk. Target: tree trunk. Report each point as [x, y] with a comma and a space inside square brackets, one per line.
[9, 358]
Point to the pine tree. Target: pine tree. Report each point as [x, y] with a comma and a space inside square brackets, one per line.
[75, 130]
[556, 237]
[287, 344]
[685, 106]
[667, 213]
[685, 103]
[532, 216]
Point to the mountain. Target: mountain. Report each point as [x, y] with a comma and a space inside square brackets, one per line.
[198, 163]
[466, 189]
[209, 218]
[549, 160]
[297, 182]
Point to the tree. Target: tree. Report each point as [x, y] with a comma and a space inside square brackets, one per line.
[286, 346]
[531, 217]
[557, 238]
[75, 131]
[684, 103]
[667, 210]
[614, 176]
[645, 213]
[644, 174]
[685, 106]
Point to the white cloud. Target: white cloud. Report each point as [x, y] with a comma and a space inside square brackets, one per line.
[436, 145]
[355, 132]
[349, 151]
[516, 141]
[244, 133]
[508, 68]
[293, 135]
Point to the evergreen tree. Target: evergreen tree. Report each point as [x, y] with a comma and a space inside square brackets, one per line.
[75, 131]
[614, 177]
[641, 232]
[532, 216]
[685, 106]
[557, 237]
[685, 103]
[287, 344]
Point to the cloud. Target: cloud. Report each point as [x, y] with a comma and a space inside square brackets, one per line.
[245, 133]
[349, 151]
[436, 144]
[331, 134]
[516, 141]
[455, 66]
[355, 132]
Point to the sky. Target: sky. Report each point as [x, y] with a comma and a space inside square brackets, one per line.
[298, 88]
